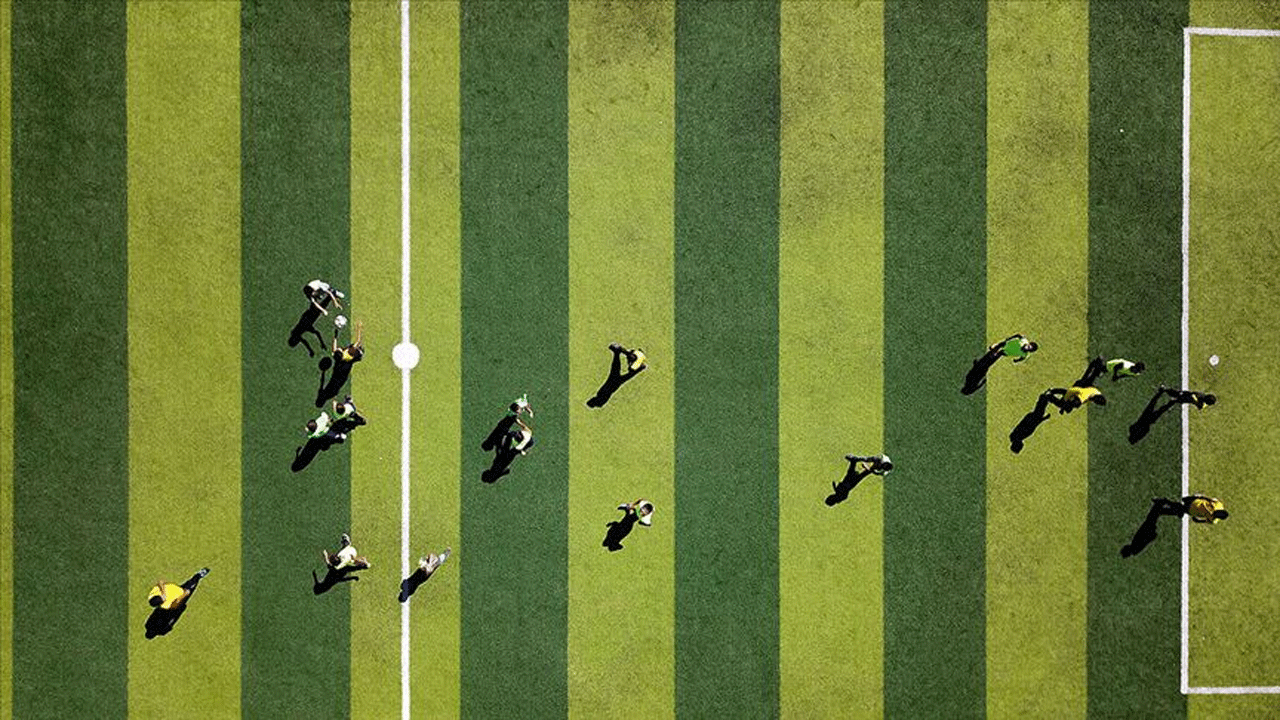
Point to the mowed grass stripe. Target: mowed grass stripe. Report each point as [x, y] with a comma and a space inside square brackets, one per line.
[830, 357]
[184, 238]
[1210, 332]
[514, 109]
[1135, 84]
[621, 265]
[295, 200]
[375, 387]
[6, 367]
[1037, 284]
[436, 384]
[935, 311]
[1235, 206]
[71, 393]
[726, 383]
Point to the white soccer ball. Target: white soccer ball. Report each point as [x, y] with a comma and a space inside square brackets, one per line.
[340, 321]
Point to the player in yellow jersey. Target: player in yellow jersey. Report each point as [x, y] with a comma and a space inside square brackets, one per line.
[1081, 392]
[170, 601]
[636, 362]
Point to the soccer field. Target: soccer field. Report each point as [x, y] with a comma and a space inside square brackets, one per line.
[812, 215]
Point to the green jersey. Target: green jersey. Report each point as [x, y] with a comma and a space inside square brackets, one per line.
[1014, 348]
[1120, 367]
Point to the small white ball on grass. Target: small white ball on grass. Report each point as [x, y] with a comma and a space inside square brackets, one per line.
[1213, 360]
[340, 321]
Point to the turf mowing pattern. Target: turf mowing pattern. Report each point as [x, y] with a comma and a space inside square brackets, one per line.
[70, 380]
[436, 384]
[830, 361]
[1235, 156]
[295, 195]
[1135, 77]
[184, 234]
[726, 323]
[514, 341]
[375, 389]
[1037, 284]
[1232, 199]
[935, 310]
[802, 214]
[6, 363]
[621, 266]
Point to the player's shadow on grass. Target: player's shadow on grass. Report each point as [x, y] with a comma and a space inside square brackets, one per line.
[1150, 414]
[840, 491]
[977, 376]
[302, 456]
[161, 621]
[320, 586]
[307, 324]
[618, 531]
[1028, 424]
[501, 441]
[611, 384]
[1146, 532]
[341, 371]
[410, 585]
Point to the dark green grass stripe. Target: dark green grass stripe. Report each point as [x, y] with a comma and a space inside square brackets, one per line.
[515, 303]
[726, 312]
[1135, 71]
[70, 375]
[935, 316]
[295, 207]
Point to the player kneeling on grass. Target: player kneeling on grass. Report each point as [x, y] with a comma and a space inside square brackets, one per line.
[346, 558]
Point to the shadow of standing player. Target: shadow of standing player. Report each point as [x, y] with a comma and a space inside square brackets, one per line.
[616, 379]
[1028, 424]
[307, 324]
[1146, 533]
[332, 577]
[977, 376]
[161, 621]
[618, 531]
[840, 492]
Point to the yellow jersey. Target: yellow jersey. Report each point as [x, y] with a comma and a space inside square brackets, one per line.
[638, 362]
[1081, 395]
[1201, 509]
[171, 595]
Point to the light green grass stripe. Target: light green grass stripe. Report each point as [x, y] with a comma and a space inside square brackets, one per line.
[6, 365]
[830, 363]
[1235, 208]
[1210, 162]
[375, 301]
[1037, 261]
[436, 308]
[184, 360]
[621, 289]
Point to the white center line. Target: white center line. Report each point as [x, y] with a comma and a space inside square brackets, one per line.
[404, 339]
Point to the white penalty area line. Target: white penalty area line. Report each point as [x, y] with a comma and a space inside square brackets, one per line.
[1187, 689]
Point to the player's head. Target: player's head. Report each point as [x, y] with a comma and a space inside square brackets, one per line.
[1209, 399]
[357, 352]
[154, 599]
[1139, 367]
[886, 465]
[645, 508]
[311, 426]
[514, 407]
[1221, 514]
[1031, 346]
[1100, 399]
